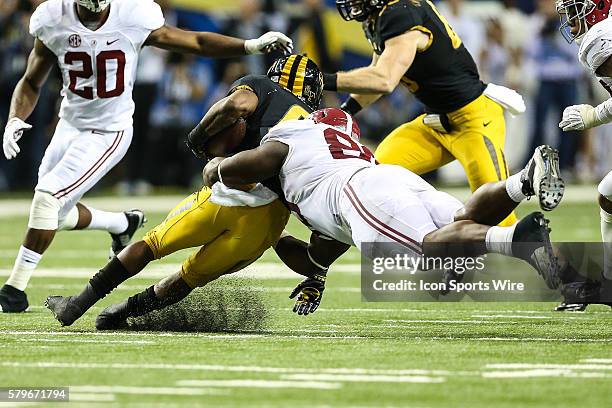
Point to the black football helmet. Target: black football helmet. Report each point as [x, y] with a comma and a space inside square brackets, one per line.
[299, 75]
[359, 10]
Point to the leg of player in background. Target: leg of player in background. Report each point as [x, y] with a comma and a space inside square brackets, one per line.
[74, 162]
[475, 227]
[605, 204]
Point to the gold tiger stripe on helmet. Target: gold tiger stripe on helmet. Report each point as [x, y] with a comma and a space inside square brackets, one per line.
[284, 79]
[298, 84]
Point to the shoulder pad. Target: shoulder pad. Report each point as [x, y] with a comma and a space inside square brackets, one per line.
[596, 46]
[47, 14]
[144, 14]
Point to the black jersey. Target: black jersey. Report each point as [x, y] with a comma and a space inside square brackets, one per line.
[444, 76]
[274, 106]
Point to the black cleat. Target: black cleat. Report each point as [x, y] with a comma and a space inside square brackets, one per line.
[13, 300]
[136, 219]
[449, 276]
[571, 307]
[531, 242]
[113, 317]
[542, 178]
[64, 309]
[577, 296]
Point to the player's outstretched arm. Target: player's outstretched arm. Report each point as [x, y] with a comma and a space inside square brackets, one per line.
[308, 259]
[239, 105]
[311, 260]
[385, 75]
[581, 117]
[25, 97]
[216, 45]
[247, 167]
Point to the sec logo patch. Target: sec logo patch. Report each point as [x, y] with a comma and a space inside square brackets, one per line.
[74, 40]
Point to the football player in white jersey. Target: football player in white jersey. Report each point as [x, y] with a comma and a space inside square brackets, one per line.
[335, 187]
[96, 44]
[587, 22]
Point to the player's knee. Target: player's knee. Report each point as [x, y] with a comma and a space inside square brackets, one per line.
[44, 213]
[605, 187]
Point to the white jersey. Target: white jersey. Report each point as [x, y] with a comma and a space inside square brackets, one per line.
[98, 67]
[321, 160]
[596, 48]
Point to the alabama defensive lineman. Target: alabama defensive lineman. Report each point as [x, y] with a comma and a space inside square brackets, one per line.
[587, 23]
[96, 45]
[334, 186]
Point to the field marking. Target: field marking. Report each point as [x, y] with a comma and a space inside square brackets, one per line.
[365, 378]
[442, 322]
[597, 360]
[122, 389]
[259, 271]
[278, 335]
[91, 397]
[509, 316]
[247, 383]
[550, 366]
[45, 340]
[543, 372]
[241, 369]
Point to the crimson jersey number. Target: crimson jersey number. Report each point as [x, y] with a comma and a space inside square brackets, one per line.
[86, 71]
[342, 146]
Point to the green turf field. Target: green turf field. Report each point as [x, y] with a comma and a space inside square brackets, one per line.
[347, 354]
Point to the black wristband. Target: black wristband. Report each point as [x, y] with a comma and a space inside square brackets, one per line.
[330, 82]
[352, 106]
[197, 139]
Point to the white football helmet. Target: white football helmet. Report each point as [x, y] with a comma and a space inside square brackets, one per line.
[578, 16]
[95, 6]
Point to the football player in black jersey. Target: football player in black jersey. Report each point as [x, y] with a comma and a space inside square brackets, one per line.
[414, 45]
[229, 237]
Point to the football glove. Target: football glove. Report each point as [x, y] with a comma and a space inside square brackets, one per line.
[579, 117]
[12, 133]
[310, 292]
[268, 42]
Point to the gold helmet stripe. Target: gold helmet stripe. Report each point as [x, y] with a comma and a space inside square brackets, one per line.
[298, 84]
[284, 79]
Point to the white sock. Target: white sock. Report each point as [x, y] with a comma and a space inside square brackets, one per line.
[514, 188]
[499, 240]
[26, 262]
[606, 236]
[115, 223]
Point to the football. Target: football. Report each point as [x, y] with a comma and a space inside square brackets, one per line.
[228, 139]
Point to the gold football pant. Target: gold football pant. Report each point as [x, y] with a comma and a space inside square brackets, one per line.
[477, 141]
[230, 237]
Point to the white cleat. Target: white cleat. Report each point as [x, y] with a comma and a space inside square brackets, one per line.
[542, 178]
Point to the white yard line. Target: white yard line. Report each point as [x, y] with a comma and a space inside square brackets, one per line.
[365, 378]
[282, 335]
[241, 369]
[91, 397]
[597, 360]
[21, 207]
[542, 372]
[417, 321]
[550, 366]
[120, 389]
[509, 316]
[259, 270]
[45, 340]
[248, 383]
